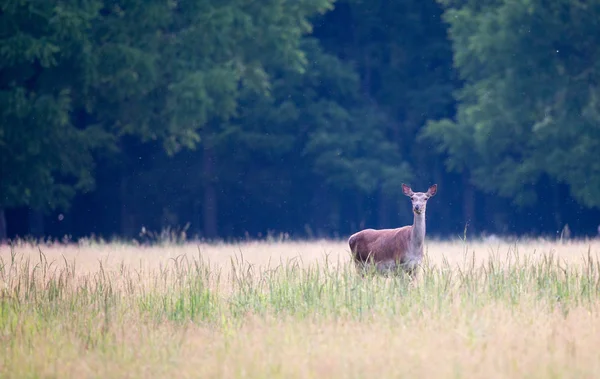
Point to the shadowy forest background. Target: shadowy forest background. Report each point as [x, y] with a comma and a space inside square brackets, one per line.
[236, 118]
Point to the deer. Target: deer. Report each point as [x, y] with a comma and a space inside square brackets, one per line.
[393, 249]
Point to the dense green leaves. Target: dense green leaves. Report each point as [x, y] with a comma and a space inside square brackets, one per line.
[79, 75]
[44, 156]
[239, 115]
[404, 61]
[529, 104]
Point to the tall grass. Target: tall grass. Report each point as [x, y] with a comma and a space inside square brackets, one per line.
[49, 302]
[188, 288]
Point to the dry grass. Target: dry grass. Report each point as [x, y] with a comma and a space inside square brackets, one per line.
[298, 310]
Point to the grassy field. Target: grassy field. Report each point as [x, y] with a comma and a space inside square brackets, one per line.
[298, 310]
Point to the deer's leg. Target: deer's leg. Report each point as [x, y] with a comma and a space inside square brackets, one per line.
[387, 267]
[412, 273]
[360, 268]
[411, 268]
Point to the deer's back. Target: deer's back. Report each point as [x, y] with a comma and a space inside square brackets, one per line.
[380, 245]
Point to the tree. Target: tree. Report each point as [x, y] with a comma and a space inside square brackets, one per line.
[325, 129]
[404, 61]
[80, 78]
[529, 105]
[313, 133]
[239, 41]
[44, 157]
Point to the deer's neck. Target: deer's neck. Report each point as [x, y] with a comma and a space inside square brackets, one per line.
[417, 234]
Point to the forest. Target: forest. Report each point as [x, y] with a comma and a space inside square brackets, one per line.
[234, 119]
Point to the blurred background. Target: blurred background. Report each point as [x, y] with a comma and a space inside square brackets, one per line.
[230, 119]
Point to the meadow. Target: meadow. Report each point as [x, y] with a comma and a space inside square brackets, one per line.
[283, 309]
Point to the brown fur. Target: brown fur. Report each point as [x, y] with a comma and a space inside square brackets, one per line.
[380, 245]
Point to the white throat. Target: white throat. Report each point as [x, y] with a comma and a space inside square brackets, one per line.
[418, 234]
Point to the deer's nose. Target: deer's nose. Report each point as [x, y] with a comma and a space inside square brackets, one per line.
[417, 207]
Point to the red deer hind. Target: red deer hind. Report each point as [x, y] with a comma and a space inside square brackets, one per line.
[390, 249]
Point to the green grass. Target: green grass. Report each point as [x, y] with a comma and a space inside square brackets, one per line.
[98, 311]
[188, 289]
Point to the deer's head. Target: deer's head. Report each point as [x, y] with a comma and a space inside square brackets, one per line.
[419, 199]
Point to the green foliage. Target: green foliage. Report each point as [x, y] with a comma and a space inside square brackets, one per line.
[315, 121]
[404, 60]
[44, 156]
[78, 76]
[285, 118]
[351, 152]
[335, 127]
[192, 62]
[529, 104]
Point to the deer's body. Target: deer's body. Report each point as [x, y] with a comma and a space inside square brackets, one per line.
[390, 249]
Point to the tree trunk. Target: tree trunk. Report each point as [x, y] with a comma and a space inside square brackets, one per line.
[127, 224]
[36, 223]
[197, 217]
[558, 222]
[319, 214]
[210, 192]
[334, 217]
[355, 220]
[3, 233]
[496, 217]
[443, 204]
[468, 204]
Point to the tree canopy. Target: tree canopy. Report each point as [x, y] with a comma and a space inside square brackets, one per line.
[78, 76]
[243, 118]
[528, 106]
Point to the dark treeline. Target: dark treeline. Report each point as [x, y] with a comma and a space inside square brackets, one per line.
[240, 118]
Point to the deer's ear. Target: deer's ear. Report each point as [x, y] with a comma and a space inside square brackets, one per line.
[432, 190]
[406, 190]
